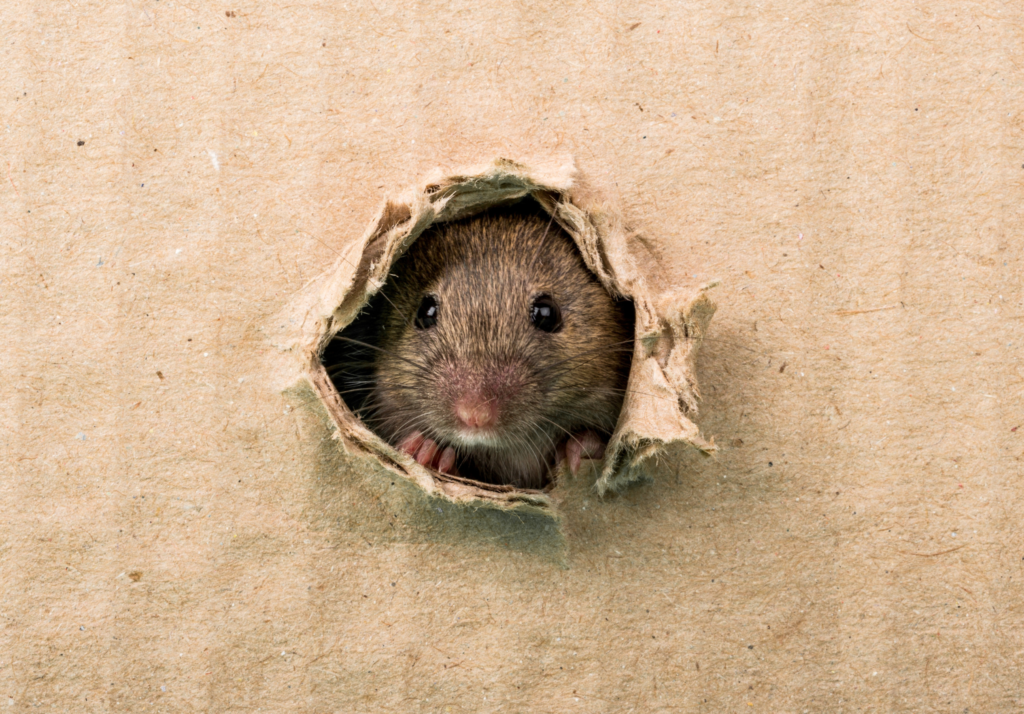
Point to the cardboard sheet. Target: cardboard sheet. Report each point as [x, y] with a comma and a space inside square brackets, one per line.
[181, 532]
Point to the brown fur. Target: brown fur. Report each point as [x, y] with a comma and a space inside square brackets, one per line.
[484, 273]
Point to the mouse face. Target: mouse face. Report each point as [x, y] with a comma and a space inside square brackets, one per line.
[497, 348]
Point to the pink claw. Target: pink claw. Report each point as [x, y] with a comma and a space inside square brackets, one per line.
[425, 456]
[428, 453]
[411, 444]
[446, 463]
[585, 445]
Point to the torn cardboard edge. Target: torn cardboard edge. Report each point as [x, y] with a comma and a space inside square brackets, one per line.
[662, 392]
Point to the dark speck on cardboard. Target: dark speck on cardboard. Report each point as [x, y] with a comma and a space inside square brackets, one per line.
[81, 143]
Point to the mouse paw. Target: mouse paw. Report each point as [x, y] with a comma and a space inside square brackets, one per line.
[584, 445]
[429, 453]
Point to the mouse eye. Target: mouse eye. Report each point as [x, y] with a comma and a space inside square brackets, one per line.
[545, 315]
[426, 316]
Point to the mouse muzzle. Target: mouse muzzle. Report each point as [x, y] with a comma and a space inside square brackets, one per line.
[475, 411]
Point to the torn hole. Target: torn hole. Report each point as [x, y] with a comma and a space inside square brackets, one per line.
[491, 354]
[657, 391]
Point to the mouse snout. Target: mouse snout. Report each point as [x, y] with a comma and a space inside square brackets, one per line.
[476, 411]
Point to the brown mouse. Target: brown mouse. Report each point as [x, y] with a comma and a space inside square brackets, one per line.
[492, 352]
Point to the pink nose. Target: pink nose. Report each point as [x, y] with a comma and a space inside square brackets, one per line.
[476, 412]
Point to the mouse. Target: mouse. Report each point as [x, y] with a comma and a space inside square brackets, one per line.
[492, 352]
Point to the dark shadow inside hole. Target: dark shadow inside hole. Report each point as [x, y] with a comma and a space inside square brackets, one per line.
[353, 360]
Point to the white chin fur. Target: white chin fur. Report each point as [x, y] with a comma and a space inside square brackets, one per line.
[477, 439]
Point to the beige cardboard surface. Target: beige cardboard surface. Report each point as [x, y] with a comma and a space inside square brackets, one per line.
[177, 534]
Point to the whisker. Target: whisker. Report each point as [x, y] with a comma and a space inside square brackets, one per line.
[418, 366]
[604, 348]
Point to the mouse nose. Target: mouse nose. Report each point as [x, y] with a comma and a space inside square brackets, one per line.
[476, 411]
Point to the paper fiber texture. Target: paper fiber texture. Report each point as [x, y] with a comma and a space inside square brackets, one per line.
[180, 531]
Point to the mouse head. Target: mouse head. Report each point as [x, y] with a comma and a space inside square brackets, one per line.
[496, 340]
